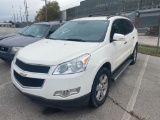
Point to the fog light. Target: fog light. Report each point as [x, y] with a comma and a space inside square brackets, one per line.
[66, 93]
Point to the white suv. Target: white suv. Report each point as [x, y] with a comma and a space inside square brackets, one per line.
[74, 67]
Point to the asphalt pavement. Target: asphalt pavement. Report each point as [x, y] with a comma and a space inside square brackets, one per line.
[5, 30]
[134, 96]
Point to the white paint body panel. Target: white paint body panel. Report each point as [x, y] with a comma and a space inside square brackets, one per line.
[55, 52]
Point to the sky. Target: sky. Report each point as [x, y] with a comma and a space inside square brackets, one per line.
[6, 9]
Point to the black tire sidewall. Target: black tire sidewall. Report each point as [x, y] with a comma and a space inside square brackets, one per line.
[93, 100]
[132, 57]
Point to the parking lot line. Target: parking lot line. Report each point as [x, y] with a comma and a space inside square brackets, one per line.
[133, 98]
[3, 85]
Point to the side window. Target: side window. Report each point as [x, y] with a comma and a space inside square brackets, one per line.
[116, 28]
[125, 25]
[121, 26]
[128, 26]
[54, 28]
[131, 27]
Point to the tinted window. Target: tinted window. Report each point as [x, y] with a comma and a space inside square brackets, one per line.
[125, 25]
[89, 31]
[131, 27]
[117, 27]
[54, 28]
[128, 26]
[121, 26]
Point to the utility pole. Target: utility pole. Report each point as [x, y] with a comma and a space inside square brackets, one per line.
[46, 10]
[26, 11]
[14, 15]
[138, 6]
[20, 13]
[23, 17]
[158, 39]
[139, 3]
[17, 17]
[158, 34]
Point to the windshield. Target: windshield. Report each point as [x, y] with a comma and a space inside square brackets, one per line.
[36, 30]
[83, 31]
[22, 30]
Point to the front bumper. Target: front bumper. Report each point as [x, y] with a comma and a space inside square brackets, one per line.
[45, 94]
[7, 56]
[77, 103]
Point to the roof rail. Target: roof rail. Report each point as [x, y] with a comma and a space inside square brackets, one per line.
[94, 15]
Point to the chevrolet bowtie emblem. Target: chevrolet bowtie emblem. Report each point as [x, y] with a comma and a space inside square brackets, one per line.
[23, 74]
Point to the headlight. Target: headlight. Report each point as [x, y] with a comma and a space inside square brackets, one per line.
[15, 49]
[14, 59]
[74, 66]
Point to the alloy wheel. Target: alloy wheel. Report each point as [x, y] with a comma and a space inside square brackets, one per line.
[102, 87]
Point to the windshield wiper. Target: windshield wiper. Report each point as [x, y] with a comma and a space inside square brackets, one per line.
[78, 40]
[29, 35]
[68, 39]
[20, 33]
[52, 38]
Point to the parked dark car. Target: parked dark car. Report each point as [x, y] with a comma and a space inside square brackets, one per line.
[36, 32]
[13, 34]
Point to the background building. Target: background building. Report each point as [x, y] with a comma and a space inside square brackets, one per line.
[149, 10]
[88, 7]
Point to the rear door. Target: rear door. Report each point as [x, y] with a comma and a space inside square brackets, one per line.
[128, 32]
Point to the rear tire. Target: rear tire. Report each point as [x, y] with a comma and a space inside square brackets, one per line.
[100, 88]
[134, 55]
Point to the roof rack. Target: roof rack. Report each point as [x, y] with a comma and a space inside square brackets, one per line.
[94, 15]
[107, 15]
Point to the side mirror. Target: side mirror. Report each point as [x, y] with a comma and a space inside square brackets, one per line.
[118, 37]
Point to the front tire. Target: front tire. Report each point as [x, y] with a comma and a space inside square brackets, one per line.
[100, 88]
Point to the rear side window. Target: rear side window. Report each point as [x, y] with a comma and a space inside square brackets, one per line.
[121, 26]
[130, 25]
[125, 27]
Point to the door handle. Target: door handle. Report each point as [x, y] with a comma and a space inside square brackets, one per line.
[125, 42]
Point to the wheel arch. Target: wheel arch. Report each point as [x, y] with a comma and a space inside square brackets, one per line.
[105, 64]
[134, 45]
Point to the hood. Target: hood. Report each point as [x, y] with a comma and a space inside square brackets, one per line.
[54, 52]
[7, 35]
[18, 41]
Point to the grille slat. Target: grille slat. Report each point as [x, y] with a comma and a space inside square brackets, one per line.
[28, 82]
[4, 49]
[32, 68]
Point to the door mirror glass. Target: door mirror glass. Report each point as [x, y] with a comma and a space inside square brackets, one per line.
[118, 37]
